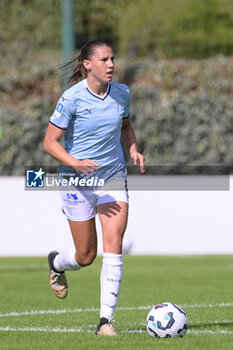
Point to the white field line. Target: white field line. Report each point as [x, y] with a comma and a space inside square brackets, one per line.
[93, 309]
[82, 330]
[208, 331]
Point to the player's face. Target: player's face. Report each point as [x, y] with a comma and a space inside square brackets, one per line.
[101, 65]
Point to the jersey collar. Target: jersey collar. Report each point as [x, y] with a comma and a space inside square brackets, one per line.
[94, 94]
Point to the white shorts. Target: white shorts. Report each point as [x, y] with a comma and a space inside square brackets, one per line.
[81, 205]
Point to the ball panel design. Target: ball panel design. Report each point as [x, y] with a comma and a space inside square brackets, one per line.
[167, 320]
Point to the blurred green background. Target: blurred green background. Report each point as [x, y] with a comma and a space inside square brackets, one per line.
[175, 55]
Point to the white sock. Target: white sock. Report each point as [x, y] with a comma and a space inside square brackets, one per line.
[66, 261]
[110, 283]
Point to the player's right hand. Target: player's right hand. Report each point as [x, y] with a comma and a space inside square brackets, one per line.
[86, 166]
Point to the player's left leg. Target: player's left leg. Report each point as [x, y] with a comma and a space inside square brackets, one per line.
[113, 217]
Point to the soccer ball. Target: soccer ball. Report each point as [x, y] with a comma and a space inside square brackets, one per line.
[167, 320]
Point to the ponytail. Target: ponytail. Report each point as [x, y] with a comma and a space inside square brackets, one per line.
[79, 72]
[87, 51]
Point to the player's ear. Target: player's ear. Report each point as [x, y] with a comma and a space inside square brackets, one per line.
[87, 64]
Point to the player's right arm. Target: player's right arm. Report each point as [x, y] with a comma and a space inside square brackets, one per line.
[55, 149]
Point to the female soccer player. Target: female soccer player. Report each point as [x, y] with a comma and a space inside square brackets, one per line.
[93, 115]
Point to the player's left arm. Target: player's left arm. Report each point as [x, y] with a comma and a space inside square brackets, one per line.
[129, 140]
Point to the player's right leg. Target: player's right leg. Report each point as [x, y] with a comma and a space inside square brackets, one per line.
[80, 212]
[80, 255]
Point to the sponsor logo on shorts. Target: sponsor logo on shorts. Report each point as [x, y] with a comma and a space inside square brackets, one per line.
[72, 198]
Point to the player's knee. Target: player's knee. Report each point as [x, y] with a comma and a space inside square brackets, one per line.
[85, 259]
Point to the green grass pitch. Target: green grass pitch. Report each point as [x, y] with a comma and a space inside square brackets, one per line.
[31, 317]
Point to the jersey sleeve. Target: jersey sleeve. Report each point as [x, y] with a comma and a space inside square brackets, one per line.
[127, 103]
[63, 112]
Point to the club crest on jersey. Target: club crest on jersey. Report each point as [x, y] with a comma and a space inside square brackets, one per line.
[59, 110]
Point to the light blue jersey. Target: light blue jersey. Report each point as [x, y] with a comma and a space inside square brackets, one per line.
[93, 123]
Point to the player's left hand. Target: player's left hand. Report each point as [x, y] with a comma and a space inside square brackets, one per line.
[139, 159]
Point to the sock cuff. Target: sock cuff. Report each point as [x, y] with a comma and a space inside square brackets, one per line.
[73, 261]
[112, 259]
[66, 260]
